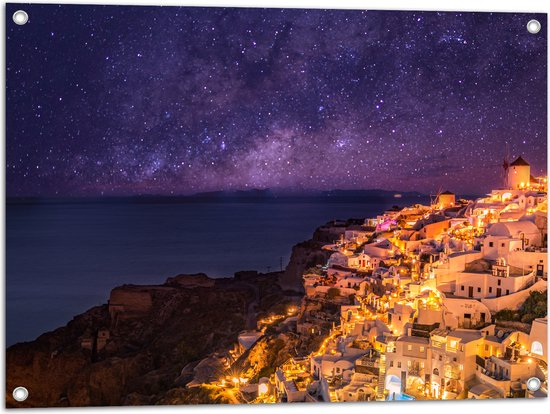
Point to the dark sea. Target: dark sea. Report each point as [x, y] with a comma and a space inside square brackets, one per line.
[64, 257]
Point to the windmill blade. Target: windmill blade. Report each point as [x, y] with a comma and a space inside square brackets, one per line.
[506, 166]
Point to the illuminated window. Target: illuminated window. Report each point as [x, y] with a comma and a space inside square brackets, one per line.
[536, 348]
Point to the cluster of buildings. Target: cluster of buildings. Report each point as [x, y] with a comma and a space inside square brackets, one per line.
[419, 292]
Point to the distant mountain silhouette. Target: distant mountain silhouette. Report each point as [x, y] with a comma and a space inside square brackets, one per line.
[252, 195]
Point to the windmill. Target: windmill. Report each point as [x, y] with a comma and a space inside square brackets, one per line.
[506, 166]
[434, 198]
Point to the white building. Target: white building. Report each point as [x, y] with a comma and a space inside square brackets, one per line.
[538, 338]
[407, 362]
[503, 280]
[505, 237]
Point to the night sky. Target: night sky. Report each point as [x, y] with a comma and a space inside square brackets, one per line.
[148, 100]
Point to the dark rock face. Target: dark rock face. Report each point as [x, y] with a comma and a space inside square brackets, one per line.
[310, 254]
[137, 349]
[304, 255]
[154, 331]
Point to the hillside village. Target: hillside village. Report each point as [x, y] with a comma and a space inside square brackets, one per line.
[445, 301]
[424, 302]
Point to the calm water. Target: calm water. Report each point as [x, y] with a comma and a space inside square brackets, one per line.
[62, 259]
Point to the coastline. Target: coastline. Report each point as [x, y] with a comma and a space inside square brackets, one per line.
[184, 341]
[81, 251]
[91, 341]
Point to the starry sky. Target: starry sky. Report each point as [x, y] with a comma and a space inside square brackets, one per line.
[113, 100]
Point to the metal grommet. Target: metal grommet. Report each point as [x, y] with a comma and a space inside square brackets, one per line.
[20, 17]
[533, 384]
[20, 394]
[533, 26]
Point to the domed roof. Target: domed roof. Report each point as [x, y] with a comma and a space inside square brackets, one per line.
[512, 228]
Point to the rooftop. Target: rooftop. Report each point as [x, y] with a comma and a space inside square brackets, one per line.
[457, 254]
[485, 390]
[465, 335]
[519, 161]
[414, 339]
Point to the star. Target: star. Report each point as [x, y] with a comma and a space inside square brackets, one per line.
[200, 99]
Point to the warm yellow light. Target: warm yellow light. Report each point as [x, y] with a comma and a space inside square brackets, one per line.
[235, 380]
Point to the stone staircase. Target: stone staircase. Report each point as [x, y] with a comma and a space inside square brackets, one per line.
[543, 367]
[381, 377]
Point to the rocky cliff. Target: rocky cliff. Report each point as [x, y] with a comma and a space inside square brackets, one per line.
[133, 350]
[142, 347]
[308, 254]
[304, 255]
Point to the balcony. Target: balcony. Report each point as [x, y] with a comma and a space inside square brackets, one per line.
[416, 371]
[368, 362]
[496, 375]
[452, 372]
[480, 361]
[438, 344]
[452, 376]
[498, 382]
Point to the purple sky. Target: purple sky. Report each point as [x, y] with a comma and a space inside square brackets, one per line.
[132, 100]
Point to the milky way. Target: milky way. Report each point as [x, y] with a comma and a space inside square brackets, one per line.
[148, 100]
